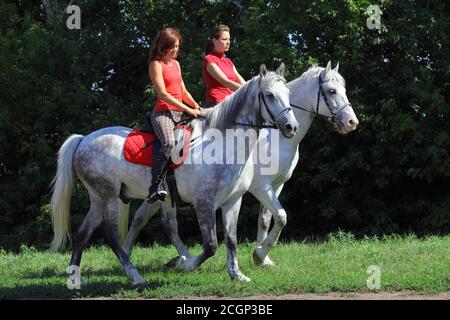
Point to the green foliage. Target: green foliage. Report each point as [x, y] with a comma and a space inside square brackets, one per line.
[391, 175]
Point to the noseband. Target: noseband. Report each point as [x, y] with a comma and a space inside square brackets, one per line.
[272, 117]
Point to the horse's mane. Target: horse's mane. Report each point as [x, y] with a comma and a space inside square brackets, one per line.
[223, 115]
[315, 71]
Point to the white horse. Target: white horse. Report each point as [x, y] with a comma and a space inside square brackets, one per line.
[98, 161]
[319, 91]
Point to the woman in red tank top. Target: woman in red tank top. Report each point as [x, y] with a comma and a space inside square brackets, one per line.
[219, 73]
[173, 99]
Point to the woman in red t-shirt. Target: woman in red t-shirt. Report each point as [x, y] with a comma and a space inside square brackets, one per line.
[165, 74]
[219, 73]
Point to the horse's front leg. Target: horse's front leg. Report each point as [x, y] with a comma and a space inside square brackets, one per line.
[269, 200]
[169, 219]
[264, 219]
[230, 214]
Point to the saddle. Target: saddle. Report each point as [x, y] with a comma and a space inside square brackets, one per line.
[142, 144]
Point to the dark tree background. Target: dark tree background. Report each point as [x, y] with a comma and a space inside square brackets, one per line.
[390, 176]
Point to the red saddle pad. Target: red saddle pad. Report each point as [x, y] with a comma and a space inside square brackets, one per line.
[139, 147]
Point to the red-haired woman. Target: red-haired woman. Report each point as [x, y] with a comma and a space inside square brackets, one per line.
[173, 99]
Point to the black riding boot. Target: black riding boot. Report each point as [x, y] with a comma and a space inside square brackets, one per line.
[156, 191]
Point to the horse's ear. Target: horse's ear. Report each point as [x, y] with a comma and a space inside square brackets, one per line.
[336, 69]
[328, 68]
[262, 70]
[280, 70]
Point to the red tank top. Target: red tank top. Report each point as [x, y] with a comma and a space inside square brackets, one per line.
[215, 91]
[172, 80]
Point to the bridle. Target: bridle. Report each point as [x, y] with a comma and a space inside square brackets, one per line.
[271, 115]
[320, 93]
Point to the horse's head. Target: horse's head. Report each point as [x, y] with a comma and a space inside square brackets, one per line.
[332, 101]
[274, 101]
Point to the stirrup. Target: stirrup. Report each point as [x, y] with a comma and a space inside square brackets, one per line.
[162, 194]
[157, 195]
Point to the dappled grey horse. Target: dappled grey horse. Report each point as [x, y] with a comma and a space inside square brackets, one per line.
[318, 92]
[97, 159]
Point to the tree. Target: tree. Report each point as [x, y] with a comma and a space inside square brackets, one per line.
[392, 175]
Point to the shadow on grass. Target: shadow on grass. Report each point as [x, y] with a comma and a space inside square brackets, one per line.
[113, 271]
[93, 289]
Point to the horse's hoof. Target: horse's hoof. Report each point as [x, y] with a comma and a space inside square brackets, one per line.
[257, 259]
[174, 263]
[186, 264]
[267, 262]
[138, 280]
[139, 284]
[178, 263]
[240, 277]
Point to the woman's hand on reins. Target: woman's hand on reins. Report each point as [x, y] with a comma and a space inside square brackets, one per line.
[195, 112]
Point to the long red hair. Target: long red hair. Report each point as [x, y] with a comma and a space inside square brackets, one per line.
[164, 41]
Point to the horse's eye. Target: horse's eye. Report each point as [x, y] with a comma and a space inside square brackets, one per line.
[270, 95]
[332, 91]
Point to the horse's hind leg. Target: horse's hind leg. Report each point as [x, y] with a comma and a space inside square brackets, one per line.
[140, 219]
[230, 214]
[83, 235]
[111, 229]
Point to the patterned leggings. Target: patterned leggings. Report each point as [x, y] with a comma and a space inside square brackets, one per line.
[163, 123]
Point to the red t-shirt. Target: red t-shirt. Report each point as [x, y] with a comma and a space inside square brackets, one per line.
[172, 80]
[215, 91]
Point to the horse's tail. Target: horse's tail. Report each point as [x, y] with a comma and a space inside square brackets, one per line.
[62, 186]
[124, 212]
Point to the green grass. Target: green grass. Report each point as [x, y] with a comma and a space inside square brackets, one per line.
[339, 265]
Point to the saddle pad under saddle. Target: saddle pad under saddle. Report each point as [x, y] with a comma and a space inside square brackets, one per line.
[140, 146]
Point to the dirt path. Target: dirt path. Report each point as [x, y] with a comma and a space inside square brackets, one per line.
[403, 295]
[348, 296]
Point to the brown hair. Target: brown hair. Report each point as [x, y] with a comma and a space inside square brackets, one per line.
[215, 33]
[163, 42]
